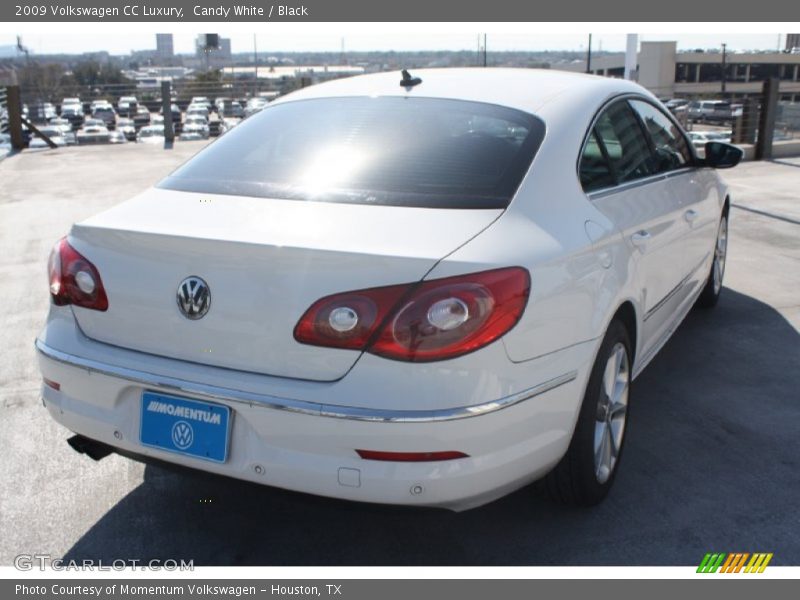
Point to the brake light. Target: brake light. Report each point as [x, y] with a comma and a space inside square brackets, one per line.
[428, 321]
[74, 280]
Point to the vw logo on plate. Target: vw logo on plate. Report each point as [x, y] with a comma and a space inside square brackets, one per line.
[182, 435]
[194, 298]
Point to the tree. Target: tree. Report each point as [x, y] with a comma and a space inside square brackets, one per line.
[93, 73]
[42, 82]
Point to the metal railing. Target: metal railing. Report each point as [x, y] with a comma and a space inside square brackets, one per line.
[761, 122]
[3, 110]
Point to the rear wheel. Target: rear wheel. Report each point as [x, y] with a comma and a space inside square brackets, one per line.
[710, 295]
[585, 474]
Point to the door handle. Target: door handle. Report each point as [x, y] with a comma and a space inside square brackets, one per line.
[640, 239]
[690, 215]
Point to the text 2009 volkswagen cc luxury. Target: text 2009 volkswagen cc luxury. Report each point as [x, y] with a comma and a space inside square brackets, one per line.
[426, 289]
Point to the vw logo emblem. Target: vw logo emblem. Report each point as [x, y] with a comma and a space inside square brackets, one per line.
[182, 435]
[194, 298]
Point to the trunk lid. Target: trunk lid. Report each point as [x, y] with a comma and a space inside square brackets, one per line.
[265, 262]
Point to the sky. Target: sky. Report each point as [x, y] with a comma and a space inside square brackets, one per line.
[53, 43]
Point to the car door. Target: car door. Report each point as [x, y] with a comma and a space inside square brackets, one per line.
[695, 187]
[620, 173]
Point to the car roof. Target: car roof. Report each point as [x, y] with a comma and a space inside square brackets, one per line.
[529, 90]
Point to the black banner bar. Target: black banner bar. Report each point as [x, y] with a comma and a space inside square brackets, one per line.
[711, 586]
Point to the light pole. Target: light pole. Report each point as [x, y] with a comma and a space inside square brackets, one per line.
[589, 55]
[724, 68]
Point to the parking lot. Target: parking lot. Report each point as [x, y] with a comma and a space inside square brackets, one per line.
[712, 460]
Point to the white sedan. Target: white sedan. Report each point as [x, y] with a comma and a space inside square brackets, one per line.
[431, 289]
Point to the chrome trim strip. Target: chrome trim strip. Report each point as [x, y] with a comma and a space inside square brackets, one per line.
[674, 290]
[665, 299]
[628, 185]
[301, 406]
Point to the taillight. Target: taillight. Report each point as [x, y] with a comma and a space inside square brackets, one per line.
[428, 321]
[74, 280]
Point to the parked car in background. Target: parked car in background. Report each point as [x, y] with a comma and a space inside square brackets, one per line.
[127, 105]
[94, 131]
[711, 111]
[142, 117]
[215, 126]
[175, 111]
[220, 102]
[127, 127]
[197, 110]
[201, 100]
[105, 112]
[70, 101]
[117, 137]
[152, 134]
[5, 145]
[195, 128]
[231, 110]
[526, 241]
[66, 129]
[55, 134]
[72, 110]
[226, 125]
[254, 105]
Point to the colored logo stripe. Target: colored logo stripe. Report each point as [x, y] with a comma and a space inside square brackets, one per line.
[710, 563]
[734, 562]
[758, 563]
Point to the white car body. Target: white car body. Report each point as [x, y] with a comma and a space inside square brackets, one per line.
[299, 412]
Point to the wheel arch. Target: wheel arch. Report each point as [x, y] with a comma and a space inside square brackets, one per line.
[626, 314]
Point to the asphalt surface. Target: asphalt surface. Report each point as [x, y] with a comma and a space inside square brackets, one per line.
[712, 461]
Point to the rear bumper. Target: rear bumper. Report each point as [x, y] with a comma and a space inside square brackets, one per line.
[310, 446]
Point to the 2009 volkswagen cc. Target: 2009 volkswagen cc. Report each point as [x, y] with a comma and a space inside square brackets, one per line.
[426, 289]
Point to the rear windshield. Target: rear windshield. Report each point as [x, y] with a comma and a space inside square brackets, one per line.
[399, 151]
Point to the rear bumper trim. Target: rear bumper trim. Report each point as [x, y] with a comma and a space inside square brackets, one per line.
[300, 406]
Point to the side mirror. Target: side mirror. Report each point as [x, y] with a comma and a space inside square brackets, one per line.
[720, 155]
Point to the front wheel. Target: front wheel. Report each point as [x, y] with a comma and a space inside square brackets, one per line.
[710, 295]
[585, 474]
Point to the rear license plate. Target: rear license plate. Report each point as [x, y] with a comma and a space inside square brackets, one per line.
[190, 427]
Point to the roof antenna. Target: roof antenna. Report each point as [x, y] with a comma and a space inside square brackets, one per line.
[408, 81]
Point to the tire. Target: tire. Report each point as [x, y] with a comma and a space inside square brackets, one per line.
[709, 297]
[587, 471]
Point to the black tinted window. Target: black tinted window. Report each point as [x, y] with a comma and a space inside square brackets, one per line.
[595, 171]
[671, 149]
[621, 135]
[397, 151]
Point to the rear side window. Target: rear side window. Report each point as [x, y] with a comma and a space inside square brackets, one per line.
[400, 151]
[595, 171]
[672, 151]
[627, 148]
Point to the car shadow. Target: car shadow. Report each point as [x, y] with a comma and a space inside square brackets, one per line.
[711, 463]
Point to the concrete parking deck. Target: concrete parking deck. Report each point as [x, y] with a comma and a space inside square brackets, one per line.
[712, 462]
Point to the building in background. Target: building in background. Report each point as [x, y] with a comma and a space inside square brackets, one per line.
[224, 52]
[165, 48]
[792, 41]
[672, 74]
